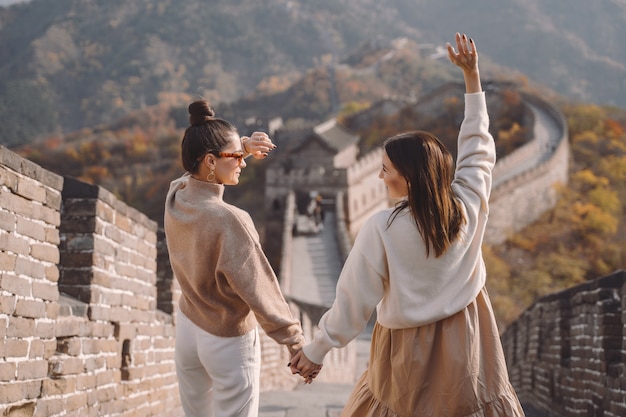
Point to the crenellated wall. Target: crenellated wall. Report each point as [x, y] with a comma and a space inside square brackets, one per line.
[283, 181]
[82, 334]
[525, 181]
[566, 353]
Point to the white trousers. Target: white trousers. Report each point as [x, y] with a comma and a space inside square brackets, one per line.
[217, 376]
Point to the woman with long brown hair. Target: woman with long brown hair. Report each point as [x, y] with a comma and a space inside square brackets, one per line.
[435, 347]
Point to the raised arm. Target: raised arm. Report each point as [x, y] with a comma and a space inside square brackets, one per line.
[476, 150]
[467, 59]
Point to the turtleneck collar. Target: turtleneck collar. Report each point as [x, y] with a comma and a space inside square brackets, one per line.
[206, 189]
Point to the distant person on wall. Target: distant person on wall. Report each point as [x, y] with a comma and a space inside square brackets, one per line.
[435, 347]
[226, 281]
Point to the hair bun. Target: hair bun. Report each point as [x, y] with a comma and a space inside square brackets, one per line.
[200, 112]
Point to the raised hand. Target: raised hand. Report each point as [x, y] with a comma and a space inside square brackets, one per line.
[258, 145]
[467, 59]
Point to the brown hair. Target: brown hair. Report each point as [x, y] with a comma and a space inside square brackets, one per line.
[206, 134]
[428, 168]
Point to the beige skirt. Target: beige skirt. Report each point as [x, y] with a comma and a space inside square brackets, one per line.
[451, 368]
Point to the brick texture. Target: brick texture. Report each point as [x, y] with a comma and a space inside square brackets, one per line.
[566, 353]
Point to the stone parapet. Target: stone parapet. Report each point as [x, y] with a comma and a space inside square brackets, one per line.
[78, 301]
[566, 352]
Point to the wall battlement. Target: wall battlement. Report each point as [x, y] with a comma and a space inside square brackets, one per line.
[82, 331]
[566, 352]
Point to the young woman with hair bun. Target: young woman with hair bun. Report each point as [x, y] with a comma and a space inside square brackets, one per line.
[227, 284]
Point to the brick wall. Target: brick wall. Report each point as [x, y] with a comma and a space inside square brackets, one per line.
[566, 353]
[82, 334]
[125, 343]
[29, 297]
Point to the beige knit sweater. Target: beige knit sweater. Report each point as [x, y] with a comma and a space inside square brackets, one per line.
[224, 276]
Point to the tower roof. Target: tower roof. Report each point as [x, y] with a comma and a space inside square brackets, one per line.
[335, 136]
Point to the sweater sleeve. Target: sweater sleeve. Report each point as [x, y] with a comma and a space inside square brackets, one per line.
[476, 154]
[360, 288]
[252, 278]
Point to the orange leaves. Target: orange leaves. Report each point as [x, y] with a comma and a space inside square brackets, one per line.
[589, 218]
[613, 128]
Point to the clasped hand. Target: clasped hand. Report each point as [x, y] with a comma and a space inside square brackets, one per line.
[301, 365]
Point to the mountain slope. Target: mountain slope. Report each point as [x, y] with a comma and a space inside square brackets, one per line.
[66, 64]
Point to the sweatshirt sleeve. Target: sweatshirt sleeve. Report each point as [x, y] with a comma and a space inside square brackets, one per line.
[476, 154]
[252, 278]
[360, 288]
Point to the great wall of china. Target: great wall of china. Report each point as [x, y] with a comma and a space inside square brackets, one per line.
[87, 301]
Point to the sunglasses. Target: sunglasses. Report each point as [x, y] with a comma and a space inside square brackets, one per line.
[238, 155]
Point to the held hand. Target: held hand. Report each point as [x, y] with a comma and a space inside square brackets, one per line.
[258, 145]
[301, 365]
[467, 60]
[293, 349]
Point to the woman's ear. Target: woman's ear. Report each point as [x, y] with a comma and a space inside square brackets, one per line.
[209, 160]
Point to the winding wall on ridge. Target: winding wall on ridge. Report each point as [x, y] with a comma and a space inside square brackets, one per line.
[524, 182]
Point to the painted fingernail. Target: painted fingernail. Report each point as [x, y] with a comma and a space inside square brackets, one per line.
[289, 364]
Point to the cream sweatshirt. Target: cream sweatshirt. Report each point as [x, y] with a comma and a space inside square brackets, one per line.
[387, 268]
[225, 278]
